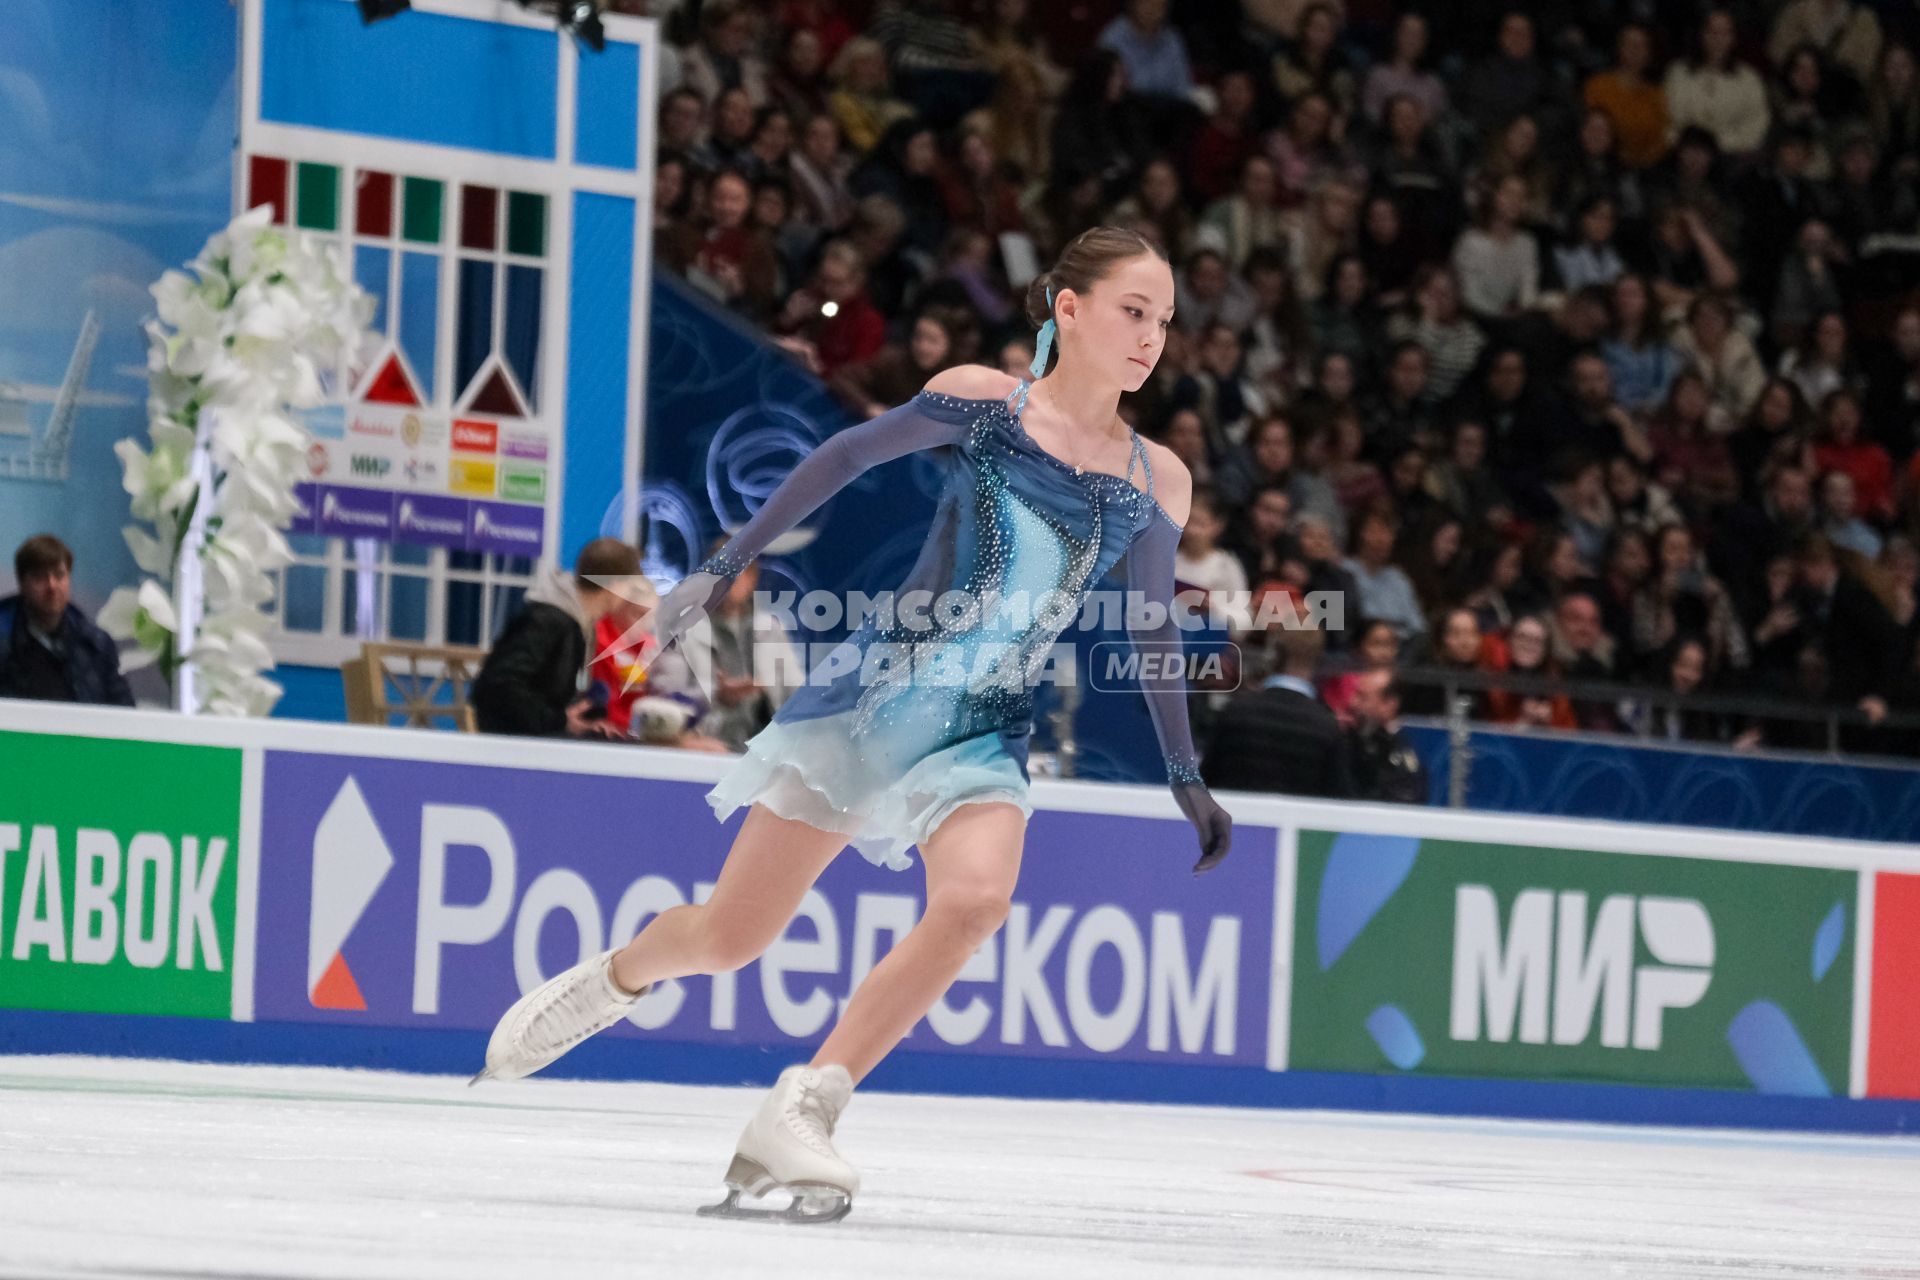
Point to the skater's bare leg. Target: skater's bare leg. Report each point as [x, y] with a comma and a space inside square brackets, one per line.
[772, 864]
[973, 861]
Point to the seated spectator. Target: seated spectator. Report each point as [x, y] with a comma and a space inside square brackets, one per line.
[1279, 345]
[898, 373]
[1637, 502]
[1207, 292]
[756, 666]
[1310, 152]
[1452, 340]
[1384, 765]
[1202, 562]
[818, 169]
[905, 169]
[1313, 64]
[1153, 52]
[1268, 457]
[1714, 90]
[1220, 148]
[1346, 323]
[1840, 448]
[1320, 230]
[1589, 256]
[1808, 284]
[1318, 569]
[935, 60]
[1493, 577]
[1404, 73]
[729, 257]
[1385, 591]
[1688, 458]
[1259, 537]
[1376, 647]
[1839, 519]
[1226, 401]
[1281, 737]
[1680, 597]
[532, 680]
[49, 652]
[1752, 535]
[1356, 482]
[1410, 165]
[1724, 358]
[1527, 651]
[1401, 414]
[831, 321]
[1682, 669]
[1458, 648]
[1643, 364]
[1510, 80]
[723, 57]
[862, 102]
[1463, 483]
[1584, 651]
[1849, 32]
[1848, 627]
[1156, 199]
[1823, 363]
[1585, 511]
[1777, 434]
[1629, 95]
[1435, 560]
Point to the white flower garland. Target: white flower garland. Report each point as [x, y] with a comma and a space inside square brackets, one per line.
[232, 353]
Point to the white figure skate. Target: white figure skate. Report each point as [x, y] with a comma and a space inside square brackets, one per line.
[788, 1146]
[555, 1016]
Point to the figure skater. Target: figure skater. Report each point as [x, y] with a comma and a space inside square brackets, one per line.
[887, 747]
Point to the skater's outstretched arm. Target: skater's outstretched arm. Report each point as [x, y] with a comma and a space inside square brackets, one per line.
[932, 418]
[1163, 683]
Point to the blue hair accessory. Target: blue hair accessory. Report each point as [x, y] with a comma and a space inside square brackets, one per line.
[1043, 346]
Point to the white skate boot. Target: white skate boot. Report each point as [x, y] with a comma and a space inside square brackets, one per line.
[555, 1016]
[788, 1146]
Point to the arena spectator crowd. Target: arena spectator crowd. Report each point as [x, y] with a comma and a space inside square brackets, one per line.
[1571, 340]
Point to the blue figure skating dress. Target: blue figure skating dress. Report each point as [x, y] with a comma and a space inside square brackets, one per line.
[929, 706]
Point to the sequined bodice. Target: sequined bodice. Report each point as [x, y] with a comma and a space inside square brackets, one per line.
[1021, 535]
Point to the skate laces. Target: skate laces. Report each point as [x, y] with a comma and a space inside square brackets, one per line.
[567, 1014]
[811, 1114]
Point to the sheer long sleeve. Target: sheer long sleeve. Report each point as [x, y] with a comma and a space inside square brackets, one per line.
[1163, 683]
[924, 422]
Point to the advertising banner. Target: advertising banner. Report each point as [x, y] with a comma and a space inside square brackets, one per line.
[416, 894]
[1442, 957]
[405, 473]
[1893, 1029]
[118, 875]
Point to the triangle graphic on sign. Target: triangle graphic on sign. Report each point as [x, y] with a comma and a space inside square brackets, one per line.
[498, 395]
[337, 989]
[392, 385]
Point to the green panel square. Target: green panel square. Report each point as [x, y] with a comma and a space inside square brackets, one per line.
[420, 219]
[527, 223]
[317, 197]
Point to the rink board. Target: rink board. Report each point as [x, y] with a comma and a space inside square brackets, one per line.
[285, 892]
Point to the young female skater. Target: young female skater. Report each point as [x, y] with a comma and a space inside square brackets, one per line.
[1046, 488]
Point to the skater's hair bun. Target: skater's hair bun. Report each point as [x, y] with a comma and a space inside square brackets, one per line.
[1084, 263]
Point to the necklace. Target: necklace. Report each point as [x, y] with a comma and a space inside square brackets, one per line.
[1075, 463]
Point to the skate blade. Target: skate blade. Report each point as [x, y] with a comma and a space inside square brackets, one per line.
[812, 1203]
[484, 1074]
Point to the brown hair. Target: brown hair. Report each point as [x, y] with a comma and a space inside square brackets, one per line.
[606, 558]
[42, 553]
[1085, 262]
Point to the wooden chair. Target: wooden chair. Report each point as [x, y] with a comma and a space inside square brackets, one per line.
[420, 686]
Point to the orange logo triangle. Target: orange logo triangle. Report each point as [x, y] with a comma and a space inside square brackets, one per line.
[337, 989]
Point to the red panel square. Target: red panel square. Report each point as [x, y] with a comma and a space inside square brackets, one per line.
[267, 184]
[1893, 1030]
[479, 217]
[373, 204]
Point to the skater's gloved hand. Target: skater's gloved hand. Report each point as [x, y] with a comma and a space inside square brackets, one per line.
[681, 609]
[1210, 822]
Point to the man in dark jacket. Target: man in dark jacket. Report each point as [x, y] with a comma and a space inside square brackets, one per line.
[1385, 766]
[1281, 737]
[48, 649]
[533, 679]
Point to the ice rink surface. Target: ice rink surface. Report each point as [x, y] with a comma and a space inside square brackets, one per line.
[119, 1168]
